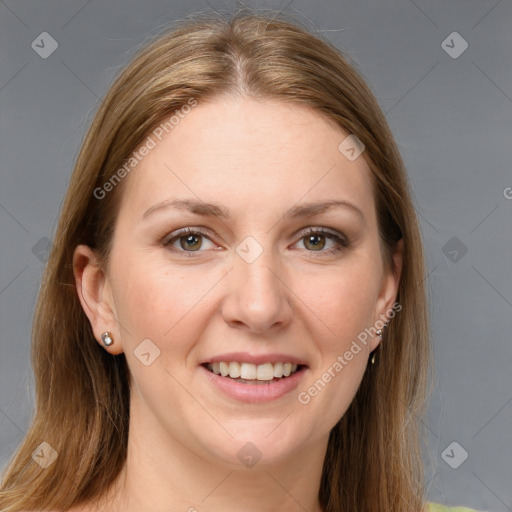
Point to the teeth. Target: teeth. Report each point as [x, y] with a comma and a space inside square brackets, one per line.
[224, 368]
[248, 371]
[234, 370]
[265, 372]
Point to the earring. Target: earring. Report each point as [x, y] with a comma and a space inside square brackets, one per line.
[107, 339]
[378, 332]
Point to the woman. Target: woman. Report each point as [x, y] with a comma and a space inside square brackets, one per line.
[234, 314]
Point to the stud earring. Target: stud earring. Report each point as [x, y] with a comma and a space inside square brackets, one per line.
[107, 339]
[379, 333]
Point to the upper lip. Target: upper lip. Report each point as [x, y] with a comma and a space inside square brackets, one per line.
[245, 357]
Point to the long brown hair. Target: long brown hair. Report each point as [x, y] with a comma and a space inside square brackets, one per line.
[374, 459]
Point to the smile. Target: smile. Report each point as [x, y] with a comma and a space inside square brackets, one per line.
[251, 383]
[251, 373]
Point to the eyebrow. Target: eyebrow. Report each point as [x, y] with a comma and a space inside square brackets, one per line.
[216, 210]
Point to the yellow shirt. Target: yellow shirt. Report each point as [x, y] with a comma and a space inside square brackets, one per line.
[436, 507]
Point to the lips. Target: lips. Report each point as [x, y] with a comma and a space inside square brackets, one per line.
[254, 391]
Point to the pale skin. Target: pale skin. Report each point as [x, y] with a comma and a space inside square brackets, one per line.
[257, 159]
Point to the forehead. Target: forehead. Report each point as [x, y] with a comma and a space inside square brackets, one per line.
[249, 153]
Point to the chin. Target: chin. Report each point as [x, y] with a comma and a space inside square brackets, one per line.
[256, 446]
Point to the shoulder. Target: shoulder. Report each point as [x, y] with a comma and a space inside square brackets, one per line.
[437, 507]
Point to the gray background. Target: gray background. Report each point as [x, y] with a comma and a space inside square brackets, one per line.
[452, 121]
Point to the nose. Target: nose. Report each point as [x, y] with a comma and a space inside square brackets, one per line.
[258, 299]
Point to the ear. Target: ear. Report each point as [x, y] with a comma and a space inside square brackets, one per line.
[389, 289]
[95, 294]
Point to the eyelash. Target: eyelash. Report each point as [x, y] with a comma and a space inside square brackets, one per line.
[342, 243]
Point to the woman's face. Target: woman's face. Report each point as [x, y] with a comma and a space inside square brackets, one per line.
[250, 286]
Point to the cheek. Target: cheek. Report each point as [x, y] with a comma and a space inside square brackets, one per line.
[343, 302]
[156, 302]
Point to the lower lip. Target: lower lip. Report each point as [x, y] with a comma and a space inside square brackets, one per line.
[255, 393]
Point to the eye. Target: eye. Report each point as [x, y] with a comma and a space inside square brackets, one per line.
[314, 241]
[190, 240]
